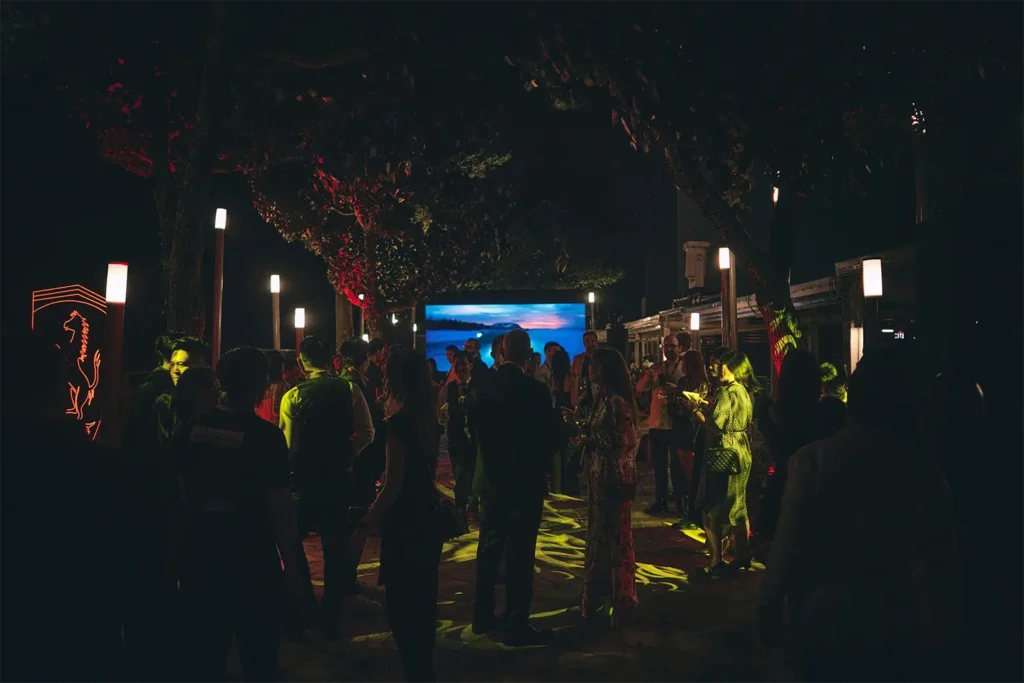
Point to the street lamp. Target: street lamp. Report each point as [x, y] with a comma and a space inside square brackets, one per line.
[592, 299]
[275, 302]
[775, 196]
[394, 319]
[871, 281]
[300, 325]
[220, 224]
[366, 337]
[728, 273]
[113, 341]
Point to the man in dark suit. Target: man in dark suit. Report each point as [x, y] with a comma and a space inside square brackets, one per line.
[518, 431]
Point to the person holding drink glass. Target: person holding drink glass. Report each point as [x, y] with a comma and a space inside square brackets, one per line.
[663, 380]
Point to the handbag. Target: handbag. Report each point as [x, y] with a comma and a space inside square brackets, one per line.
[722, 460]
[449, 523]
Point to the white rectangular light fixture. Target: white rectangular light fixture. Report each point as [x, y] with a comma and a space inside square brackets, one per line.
[695, 321]
[394, 319]
[724, 262]
[117, 283]
[366, 337]
[275, 284]
[856, 346]
[300, 318]
[591, 298]
[415, 327]
[775, 195]
[872, 277]
[220, 220]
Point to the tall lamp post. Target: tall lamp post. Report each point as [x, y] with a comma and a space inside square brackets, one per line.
[220, 223]
[113, 341]
[275, 302]
[591, 299]
[300, 328]
[362, 318]
[695, 330]
[729, 333]
[871, 279]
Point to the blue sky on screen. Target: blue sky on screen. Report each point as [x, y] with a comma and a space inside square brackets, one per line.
[528, 316]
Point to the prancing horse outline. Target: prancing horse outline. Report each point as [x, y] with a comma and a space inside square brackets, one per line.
[79, 402]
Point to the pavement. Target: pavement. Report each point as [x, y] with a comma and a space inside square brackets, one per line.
[685, 628]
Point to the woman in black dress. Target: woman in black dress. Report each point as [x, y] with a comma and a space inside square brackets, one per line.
[404, 511]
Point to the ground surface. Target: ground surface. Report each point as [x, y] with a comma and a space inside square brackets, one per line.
[686, 628]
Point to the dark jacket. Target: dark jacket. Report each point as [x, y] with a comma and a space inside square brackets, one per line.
[519, 431]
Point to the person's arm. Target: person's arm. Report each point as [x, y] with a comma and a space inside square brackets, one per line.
[394, 472]
[646, 381]
[280, 505]
[285, 420]
[791, 542]
[362, 422]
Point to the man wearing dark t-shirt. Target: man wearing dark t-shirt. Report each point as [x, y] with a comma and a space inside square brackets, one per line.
[233, 467]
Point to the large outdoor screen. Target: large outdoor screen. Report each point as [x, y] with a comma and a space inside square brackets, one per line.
[448, 325]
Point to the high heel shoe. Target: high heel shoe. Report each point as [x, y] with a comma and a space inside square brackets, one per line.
[715, 572]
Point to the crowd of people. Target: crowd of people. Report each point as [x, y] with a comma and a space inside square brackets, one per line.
[223, 474]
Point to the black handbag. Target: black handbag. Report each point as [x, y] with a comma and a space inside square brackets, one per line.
[449, 522]
[721, 461]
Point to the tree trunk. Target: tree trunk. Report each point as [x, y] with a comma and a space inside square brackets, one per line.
[344, 329]
[184, 298]
[770, 278]
[373, 308]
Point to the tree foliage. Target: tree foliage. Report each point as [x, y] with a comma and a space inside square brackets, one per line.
[738, 99]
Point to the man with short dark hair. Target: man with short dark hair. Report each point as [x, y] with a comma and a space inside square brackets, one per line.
[326, 423]
[233, 468]
[479, 368]
[544, 371]
[141, 432]
[582, 391]
[519, 431]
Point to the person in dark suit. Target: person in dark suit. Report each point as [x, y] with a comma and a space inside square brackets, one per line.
[519, 432]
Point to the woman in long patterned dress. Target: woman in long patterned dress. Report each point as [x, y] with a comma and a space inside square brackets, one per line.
[609, 583]
[723, 497]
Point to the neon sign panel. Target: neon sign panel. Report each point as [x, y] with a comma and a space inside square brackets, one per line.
[72, 306]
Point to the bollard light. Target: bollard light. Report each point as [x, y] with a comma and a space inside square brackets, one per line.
[723, 258]
[117, 283]
[220, 220]
[275, 284]
[872, 277]
[394, 319]
[695, 321]
[366, 338]
[362, 296]
[415, 328]
[591, 298]
[775, 195]
[300, 318]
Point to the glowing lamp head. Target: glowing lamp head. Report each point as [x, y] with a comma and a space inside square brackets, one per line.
[366, 338]
[723, 258]
[591, 298]
[300, 318]
[695, 321]
[362, 297]
[220, 220]
[871, 269]
[415, 327]
[394, 319]
[275, 284]
[117, 283]
[775, 195]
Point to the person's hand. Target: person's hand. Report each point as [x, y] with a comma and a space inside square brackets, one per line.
[443, 413]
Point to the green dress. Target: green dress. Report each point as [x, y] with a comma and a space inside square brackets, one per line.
[724, 497]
